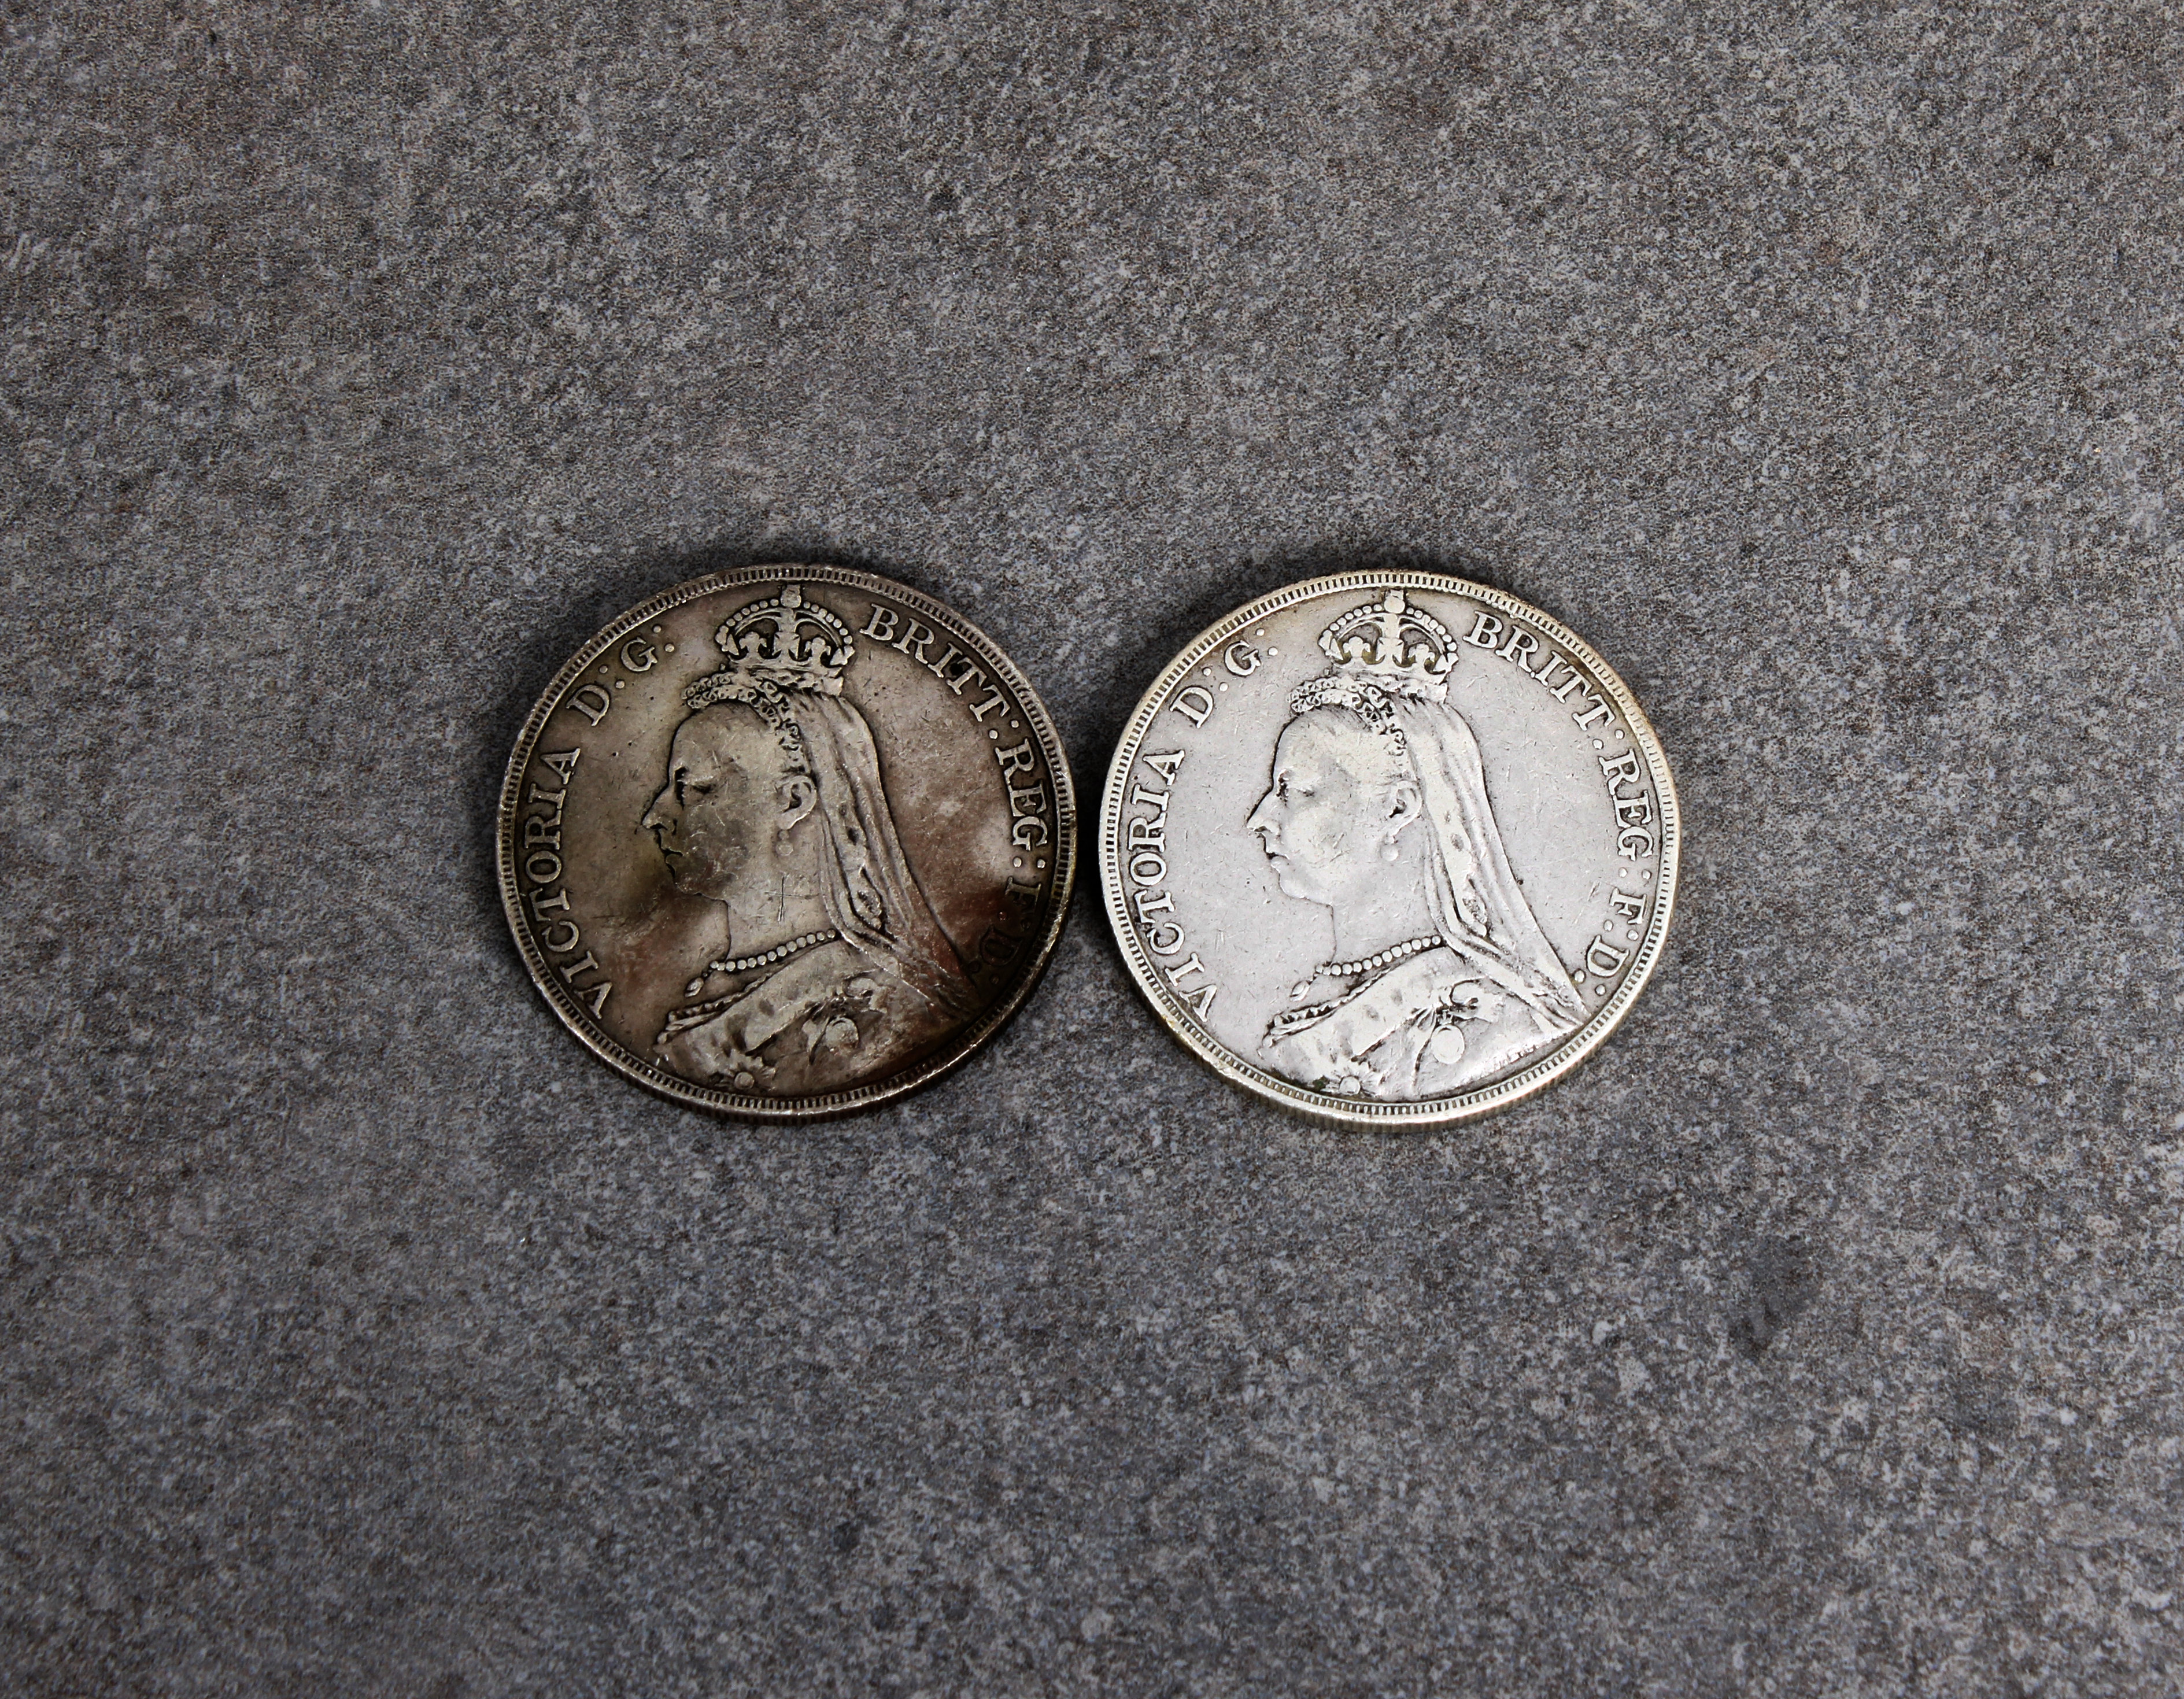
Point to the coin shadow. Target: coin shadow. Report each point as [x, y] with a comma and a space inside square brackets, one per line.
[528, 663]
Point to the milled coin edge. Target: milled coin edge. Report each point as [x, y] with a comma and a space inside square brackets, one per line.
[1351, 1112]
[736, 1104]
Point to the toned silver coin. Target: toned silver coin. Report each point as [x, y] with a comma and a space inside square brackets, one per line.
[1390, 849]
[787, 841]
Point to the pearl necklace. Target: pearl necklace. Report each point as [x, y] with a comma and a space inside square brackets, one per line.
[1366, 964]
[743, 964]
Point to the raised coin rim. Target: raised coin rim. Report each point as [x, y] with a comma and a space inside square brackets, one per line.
[712, 1098]
[1347, 1111]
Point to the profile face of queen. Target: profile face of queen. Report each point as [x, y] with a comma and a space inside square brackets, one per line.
[1376, 809]
[1340, 809]
[725, 820]
[773, 805]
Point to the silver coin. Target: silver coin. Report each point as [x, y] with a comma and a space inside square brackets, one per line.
[1390, 849]
[787, 841]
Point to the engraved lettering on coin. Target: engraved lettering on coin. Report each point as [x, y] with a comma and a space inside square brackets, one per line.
[1362, 868]
[813, 834]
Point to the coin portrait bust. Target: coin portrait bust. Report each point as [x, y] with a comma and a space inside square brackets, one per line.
[774, 806]
[1376, 809]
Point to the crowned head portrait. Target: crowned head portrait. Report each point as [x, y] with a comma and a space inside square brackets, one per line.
[1376, 811]
[774, 805]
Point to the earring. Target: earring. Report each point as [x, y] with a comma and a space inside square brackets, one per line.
[1389, 852]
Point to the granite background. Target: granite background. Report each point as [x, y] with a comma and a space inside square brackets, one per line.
[360, 1334]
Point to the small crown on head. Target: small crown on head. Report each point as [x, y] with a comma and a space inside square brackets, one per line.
[771, 655]
[1367, 645]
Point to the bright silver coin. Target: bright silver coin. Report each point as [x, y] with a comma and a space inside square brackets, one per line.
[1390, 849]
[787, 841]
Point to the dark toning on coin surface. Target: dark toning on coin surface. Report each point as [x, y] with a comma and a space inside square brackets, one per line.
[787, 841]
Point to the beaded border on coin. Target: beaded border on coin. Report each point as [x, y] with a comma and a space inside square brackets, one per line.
[954, 1051]
[1352, 1111]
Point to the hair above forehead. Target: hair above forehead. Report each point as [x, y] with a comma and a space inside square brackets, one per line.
[1366, 747]
[1361, 699]
[786, 736]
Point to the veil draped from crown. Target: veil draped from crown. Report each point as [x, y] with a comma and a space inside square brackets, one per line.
[1483, 917]
[871, 896]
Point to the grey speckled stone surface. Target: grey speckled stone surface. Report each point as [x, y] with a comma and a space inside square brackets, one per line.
[360, 1334]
